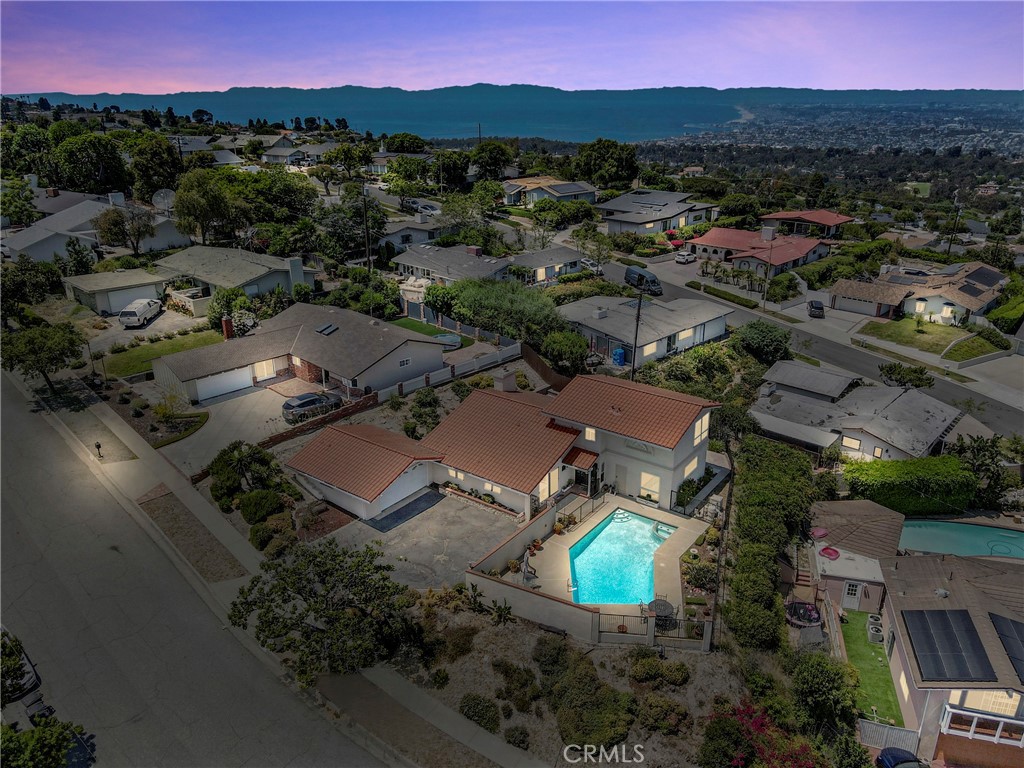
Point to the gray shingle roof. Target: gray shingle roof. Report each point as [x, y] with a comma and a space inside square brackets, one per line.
[657, 319]
[454, 262]
[232, 354]
[799, 375]
[222, 267]
[127, 278]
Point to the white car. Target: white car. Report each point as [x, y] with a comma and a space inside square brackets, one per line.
[685, 257]
[138, 313]
[591, 265]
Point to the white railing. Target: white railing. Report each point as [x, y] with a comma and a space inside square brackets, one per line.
[984, 726]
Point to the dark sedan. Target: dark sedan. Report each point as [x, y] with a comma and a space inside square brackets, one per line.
[309, 406]
[894, 757]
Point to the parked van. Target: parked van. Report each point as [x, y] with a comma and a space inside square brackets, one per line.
[138, 313]
[646, 281]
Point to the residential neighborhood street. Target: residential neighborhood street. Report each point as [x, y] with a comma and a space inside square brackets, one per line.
[122, 643]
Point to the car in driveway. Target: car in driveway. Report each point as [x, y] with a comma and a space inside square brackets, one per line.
[591, 265]
[685, 257]
[29, 679]
[815, 309]
[894, 757]
[138, 313]
[428, 208]
[309, 406]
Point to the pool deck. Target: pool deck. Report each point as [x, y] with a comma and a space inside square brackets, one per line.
[552, 561]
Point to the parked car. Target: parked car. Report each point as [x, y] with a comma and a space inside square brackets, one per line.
[138, 313]
[29, 679]
[894, 757]
[428, 208]
[815, 309]
[646, 282]
[411, 206]
[685, 257]
[309, 406]
[592, 265]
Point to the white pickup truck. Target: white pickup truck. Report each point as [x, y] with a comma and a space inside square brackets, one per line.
[138, 313]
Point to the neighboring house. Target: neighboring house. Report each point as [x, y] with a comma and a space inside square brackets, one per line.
[237, 143]
[868, 422]
[107, 293]
[402, 234]
[473, 173]
[208, 268]
[875, 299]
[282, 156]
[647, 211]
[693, 171]
[953, 632]
[225, 157]
[528, 190]
[380, 160]
[335, 348]
[314, 153]
[862, 532]
[610, 323]
[795, 377]
[50, 235]
[987, 189]
[50, 200]
[446, 265]
[816, 223]
[764, 253]
[190, 145]
[950, 293]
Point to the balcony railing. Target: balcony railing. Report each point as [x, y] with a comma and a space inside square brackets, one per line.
[982, 725]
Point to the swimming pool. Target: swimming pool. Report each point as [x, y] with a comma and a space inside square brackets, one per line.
[961, 539]
[614, 563]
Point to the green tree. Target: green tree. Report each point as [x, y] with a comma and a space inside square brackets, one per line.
[906, 376]
[326, 175]
[155, 165]
[984, 457]
[345, 231]
[128, 226]
[825, 691]
[331, 610]
[403, 189]
[26, 281]
[491, 158]
[222, 303]
[202, 159]
[201, 203]
[17, 202]
[79, 259]
[12, 668]
[45, 746]
[404, 142]
[449, 168]
[412, 169]
[606, 163]
[440, 299]
[567, 351]
[460, 211]
[27, 151]
[349, 157]
[252, 148]
[488, 195]
[767, 342]
[42, 350]
[65, 129]
[90, 163]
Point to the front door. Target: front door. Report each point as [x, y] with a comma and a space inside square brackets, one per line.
[582, 477]
[851, 596]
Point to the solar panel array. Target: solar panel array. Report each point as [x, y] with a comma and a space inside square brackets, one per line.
[985, 276]
[901, 280]
[947, 646]
[1011, 634]
[971, 290]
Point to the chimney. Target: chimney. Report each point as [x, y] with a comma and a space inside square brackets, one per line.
[52, 191]
[599, 314]
[475, 250]
[421, 218]
[227, 327]
[295, 273]
[116, 198]
[505, 381]
[767, 233]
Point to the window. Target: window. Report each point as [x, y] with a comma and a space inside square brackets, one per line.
[700, 429]
[851, 442]
[690, 468]
[920, 306]
[684, 335]
[649, 349]
[496, 490]
[451, 473]
[487, 486]
[903, 685]
[405, 362]
[877, 453]
[649, 226]
[852, 589]
[406, 239]
[947, 310]
[590, 434]
[296, 360]
[460, 476]
[650, 486]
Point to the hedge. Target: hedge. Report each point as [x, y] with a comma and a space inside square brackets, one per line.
[1007, 317]
[257, 506]
[631, 262]
[741, 300]
[589, 710]
[992, 336]
[928, 486]
[694, 285]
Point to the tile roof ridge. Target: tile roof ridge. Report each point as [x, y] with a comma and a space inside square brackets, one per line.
[365, 439]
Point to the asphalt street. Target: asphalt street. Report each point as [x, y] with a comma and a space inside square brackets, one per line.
[123, 644]
[1000, 417]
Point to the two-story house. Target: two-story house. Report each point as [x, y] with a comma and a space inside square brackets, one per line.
[648, 211]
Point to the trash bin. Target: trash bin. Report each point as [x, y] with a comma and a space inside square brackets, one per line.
[619, 356]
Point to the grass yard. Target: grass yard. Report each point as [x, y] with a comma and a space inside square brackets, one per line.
[934, 337]
[911, 361]
[427, 329]
[920, 188]
[967, 350]
[876, 687]
[141, 358]
[807, 359]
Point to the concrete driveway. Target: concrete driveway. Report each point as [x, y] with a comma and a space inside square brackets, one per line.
[434, 548]
[165, 322]
[249, 414]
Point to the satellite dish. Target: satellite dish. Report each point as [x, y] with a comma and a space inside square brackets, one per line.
[247, 238]
[163, 199]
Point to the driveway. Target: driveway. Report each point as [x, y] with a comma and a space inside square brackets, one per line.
[165, 322]
[249, 414]
[435, 547]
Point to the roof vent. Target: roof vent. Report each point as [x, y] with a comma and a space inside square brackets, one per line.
[600, 313]
[327, 329]
[942, 593]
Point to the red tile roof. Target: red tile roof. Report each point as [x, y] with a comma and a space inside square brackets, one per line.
[580, 458]
[360, 459]
[503, 437]
[781, 250]
[651, 414]
[819, 216]
[725, 237]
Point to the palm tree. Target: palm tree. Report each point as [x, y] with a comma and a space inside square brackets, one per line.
[705, 267]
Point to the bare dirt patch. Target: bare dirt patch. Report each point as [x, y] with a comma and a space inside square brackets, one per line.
[151, 429]
[62, 310]
[190, 537]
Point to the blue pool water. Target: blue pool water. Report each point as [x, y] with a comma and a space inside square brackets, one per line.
[614, 563]
[961, 539]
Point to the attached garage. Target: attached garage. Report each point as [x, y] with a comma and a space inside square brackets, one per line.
[223, 383]
[110, 292]
[118, 300]
[859, 306]
[874, 299]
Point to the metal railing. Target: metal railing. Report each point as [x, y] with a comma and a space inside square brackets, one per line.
[984, 726]
[578, 507]
[880, 736]
[617, 623]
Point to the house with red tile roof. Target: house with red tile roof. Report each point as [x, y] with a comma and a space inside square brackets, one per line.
[816, 223]
[764, 253]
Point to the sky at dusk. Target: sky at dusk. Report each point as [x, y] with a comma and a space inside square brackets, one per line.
[164, 47]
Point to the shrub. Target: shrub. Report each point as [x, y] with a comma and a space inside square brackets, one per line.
[756, 626]
[225, 486]
[522, 380]
[154, 428]
[743, 301]
[396, 402]
[782, 287]
[481, 381]
[170, 334]
[117, 348]
[281, 522]
[701, 575]
[766, 342]
[661, 714]
[461, 389]
[140, 404]
[459, 641]
[590, 711]
[507, 711]
[930, 485]
[517, 736]
[712, 537]
[992, 336]
[260, 535]
[257, 506]
[439, 678]
[632, 262]
[695, 285]
[410, 427]
[675, 673]
[137, 413]
[290, 490]
[520, 684]
[645, 670]
[99, 354]
[153, 338]
[716, 445]
[78, 364]
[426, 398]
[1007, 318]
[481, 711]
[551, 654]
[183, 331]
[124, 398]
[277, 547]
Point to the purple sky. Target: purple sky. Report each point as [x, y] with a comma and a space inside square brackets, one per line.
[161, 47]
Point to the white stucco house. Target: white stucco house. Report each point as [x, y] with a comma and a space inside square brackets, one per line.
[649, 211]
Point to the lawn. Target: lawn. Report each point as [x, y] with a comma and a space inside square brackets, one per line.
[969, 349]
[427, 329]
[876, 686]
[921, 188]
[932, 337]
[141, 358]
[911, 361]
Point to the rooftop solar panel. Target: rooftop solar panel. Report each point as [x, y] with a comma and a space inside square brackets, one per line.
[971, 290]
[947, 646]
[901, 280]
[1011, 634]
[984, 276]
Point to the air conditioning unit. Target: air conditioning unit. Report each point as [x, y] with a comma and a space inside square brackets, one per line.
[875, 635]
[874, 620]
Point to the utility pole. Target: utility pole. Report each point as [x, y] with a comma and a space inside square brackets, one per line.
[636, 334]
[956, 220]
[366, 234]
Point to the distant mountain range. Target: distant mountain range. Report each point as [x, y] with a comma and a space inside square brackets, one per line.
[525, 110]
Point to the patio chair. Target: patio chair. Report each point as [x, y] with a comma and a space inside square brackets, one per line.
[660, 597]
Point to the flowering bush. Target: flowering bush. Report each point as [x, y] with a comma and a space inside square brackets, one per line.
[676, 243]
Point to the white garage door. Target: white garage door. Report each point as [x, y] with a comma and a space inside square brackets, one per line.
[222, 383]
[856, 305]
[122, 298]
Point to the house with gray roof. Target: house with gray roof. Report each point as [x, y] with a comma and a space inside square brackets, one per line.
[609, 323]
[225, 157]
[800, 378]
[527, 190]
[337, 349]
[282, 155]
[445, 265]
[648, 211]
[107, 293]
[416, 231]
[314, 153]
